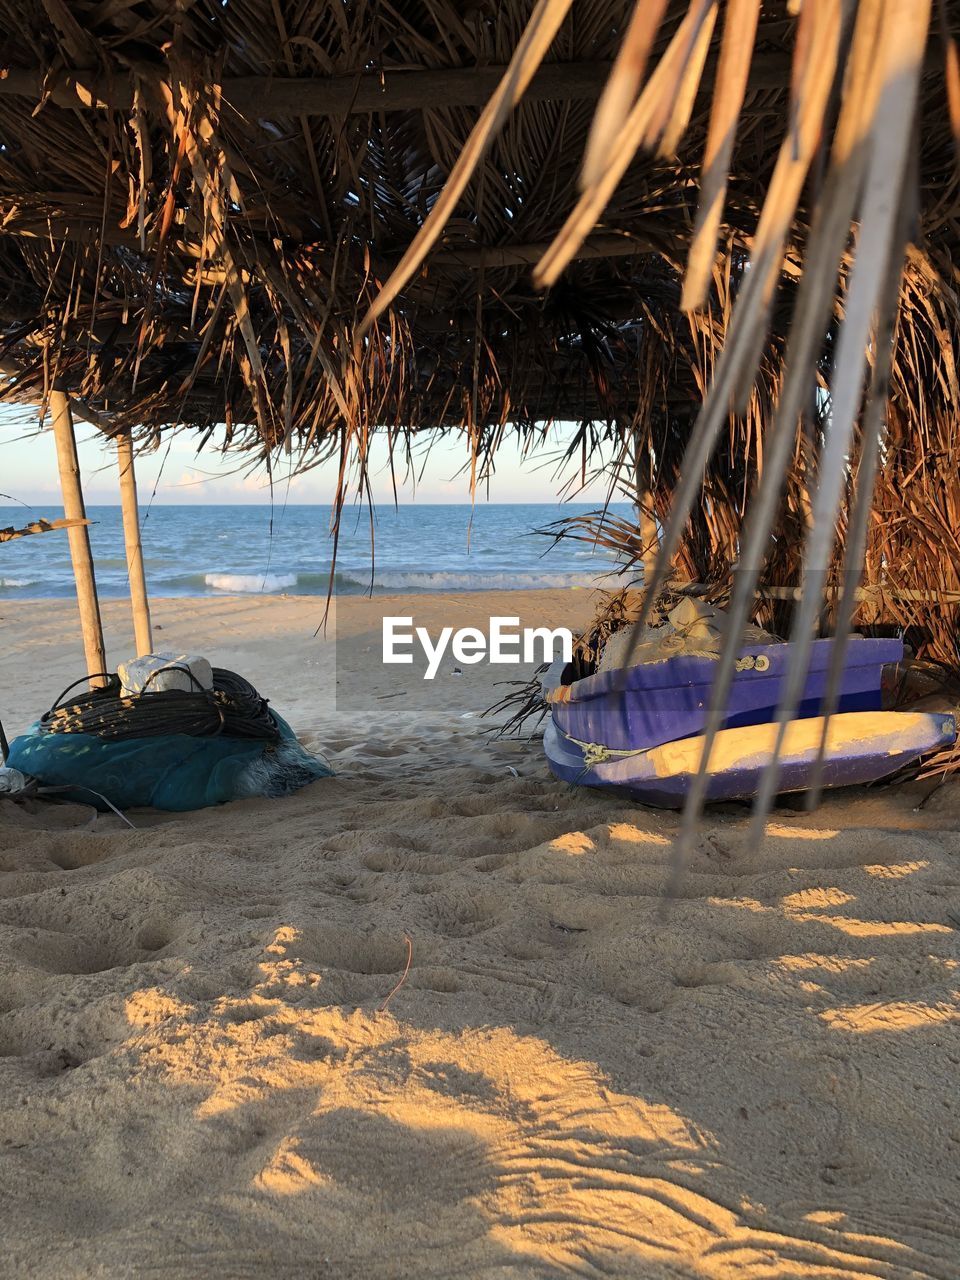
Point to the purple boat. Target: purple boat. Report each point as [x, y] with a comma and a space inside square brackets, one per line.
[861, 747]
[655, 702]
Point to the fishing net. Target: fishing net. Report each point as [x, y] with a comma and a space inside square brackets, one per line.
[172, 750]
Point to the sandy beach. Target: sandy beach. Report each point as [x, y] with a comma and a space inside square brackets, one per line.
[207, 1066]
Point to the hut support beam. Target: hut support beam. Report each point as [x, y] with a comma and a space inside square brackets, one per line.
[649, 536]
[336, 96]
[79, 538]
[423, 89]
[646, 513]
[131, 536]
[610, 245]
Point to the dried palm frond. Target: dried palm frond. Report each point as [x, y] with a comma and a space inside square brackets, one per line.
[616, 611]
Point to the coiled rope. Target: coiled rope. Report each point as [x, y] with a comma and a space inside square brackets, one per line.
[599, 752]
[232, 707]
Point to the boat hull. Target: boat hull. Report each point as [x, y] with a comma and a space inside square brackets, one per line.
[652, 703]
[861, 747]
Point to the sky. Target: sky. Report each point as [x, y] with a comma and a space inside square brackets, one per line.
[177, 474]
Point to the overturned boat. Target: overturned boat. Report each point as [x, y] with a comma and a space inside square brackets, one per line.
[639, 727]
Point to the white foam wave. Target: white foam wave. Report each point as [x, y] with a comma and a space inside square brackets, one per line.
[16, 582]
[250, 582]
[448, 580]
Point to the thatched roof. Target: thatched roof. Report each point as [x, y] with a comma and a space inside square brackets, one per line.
[198, 201]
[311, 220]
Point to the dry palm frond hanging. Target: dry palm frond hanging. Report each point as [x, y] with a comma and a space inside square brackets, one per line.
[854, 88]
[198, 202]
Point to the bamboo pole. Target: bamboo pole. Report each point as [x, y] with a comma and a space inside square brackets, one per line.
[79, 538]
[864, 595]
[649, 535]
[387, 89]
[139, 602]
[344, 95]
[37, 526]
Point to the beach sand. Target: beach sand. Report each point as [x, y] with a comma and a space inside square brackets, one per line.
[198, 1075]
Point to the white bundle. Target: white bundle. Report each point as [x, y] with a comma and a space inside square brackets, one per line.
[692, 628]
[160, 672]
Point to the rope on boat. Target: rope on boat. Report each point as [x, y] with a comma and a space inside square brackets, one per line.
[600, 753]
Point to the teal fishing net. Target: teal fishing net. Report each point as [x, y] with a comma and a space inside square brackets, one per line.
[176, 771]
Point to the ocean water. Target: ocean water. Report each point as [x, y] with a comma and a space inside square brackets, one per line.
[210, 550]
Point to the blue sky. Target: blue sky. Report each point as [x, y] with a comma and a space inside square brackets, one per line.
[28, 472]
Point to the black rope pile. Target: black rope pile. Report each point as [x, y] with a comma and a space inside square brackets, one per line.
[232, 707]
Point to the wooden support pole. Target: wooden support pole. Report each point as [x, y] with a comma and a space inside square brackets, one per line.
[649, 535]
[131, 537]
[646, 513]
[388, 89]
[80, 554]
[525, 255]
[271, 96]
[868, 594]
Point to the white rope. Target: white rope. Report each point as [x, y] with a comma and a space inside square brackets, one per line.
[599, 752]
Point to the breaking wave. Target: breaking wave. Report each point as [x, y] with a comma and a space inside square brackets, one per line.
[358, 581]
[251, 582]
[349, 581]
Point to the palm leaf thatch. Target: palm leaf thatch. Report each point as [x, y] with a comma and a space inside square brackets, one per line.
[198, 203]
[180, 242]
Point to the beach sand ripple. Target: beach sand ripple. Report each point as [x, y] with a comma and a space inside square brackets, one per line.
[198, 1075]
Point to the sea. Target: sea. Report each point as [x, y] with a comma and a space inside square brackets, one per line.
[226, 550]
